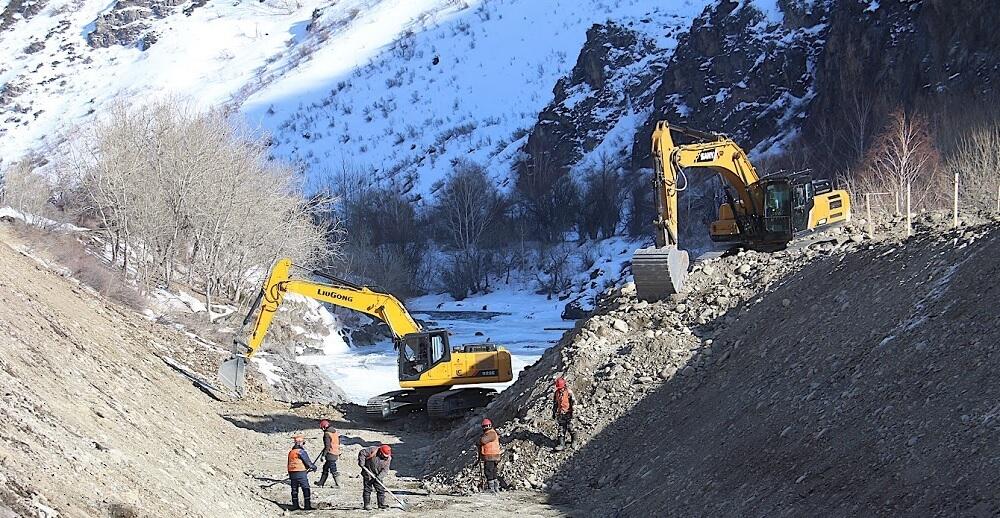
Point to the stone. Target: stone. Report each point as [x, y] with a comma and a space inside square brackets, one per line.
[619, 325]
[744, 269]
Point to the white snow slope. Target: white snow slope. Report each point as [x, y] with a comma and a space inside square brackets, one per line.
[360, 88]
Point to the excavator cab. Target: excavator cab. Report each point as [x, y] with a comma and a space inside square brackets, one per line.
[420, 352]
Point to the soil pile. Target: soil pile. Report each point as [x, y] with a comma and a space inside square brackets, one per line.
[93, 422]
[834, 379]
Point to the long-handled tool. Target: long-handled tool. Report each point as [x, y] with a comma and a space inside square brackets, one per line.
[402, 504]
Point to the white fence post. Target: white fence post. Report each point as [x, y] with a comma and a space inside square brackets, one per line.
[954, 207]
[909, 217]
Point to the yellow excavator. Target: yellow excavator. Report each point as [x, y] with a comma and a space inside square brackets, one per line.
[428, 366]
[759, 213]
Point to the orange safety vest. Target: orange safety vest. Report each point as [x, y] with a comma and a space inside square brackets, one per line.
[334, 443]
[562, 400]
[295, 462]
[491, 448]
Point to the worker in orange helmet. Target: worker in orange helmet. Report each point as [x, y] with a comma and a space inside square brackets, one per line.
[331, 452]
[489, 455]
[562, 411]
[298, 467]
[374, 462]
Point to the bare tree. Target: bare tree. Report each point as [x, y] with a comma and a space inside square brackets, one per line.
[178, 190]
[976, 159]
[25, 191]
[467, 210]
[903, 157]
[602, 199]
[553, 274]
[468, 205]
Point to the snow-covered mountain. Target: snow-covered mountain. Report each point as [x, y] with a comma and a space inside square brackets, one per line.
[399, 86]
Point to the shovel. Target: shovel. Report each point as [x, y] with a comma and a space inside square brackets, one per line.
[402, 504]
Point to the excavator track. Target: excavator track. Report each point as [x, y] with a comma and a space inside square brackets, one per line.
[454, 403]
[659, 272]
[391, 405]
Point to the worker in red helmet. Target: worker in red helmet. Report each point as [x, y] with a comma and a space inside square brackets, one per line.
[562, 411]
[374, 462]
[331, 452]
[299, 466]
[489, 456]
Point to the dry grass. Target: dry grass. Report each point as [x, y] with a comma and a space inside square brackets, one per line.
[67, 251]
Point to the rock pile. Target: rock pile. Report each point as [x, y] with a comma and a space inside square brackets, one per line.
[778, 384]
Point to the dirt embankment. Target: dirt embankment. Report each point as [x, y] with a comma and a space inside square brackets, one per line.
[843, 379]
[92, 422]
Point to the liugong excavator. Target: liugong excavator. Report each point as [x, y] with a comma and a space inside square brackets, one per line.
[428, 366]
[759, 213]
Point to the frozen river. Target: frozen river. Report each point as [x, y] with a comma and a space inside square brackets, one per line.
[515, 320]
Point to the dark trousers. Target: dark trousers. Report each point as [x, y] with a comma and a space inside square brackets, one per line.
[490, 469]
[371, 483]
[300, 480]
[329, 468]
[565, 422]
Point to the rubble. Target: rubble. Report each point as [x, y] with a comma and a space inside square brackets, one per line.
[757, 380]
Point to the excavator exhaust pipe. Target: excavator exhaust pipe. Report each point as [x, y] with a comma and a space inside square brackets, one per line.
[659, 272]
[232, 373]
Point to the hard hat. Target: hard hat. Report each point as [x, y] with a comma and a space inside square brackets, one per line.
[487, 423]
[299, 437]
[324, 424]
[560, 383]
[385, 450]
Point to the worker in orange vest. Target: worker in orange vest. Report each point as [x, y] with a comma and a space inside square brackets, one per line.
[298, 467]
[562, 411]
[489, 455]
[331, 452]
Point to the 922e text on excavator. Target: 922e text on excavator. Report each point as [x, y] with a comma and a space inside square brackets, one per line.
[429, 367]
[764, 214]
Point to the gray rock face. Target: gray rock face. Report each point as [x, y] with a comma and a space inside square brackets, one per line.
[127, 21]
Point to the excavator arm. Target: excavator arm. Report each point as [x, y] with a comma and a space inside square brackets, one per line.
[382, 306]
[662, 270]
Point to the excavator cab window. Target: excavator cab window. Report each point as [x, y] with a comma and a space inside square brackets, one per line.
[802, 203]
[420, 352]
[777, 211]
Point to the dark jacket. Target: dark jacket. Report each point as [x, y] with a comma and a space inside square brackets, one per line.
[369, 458]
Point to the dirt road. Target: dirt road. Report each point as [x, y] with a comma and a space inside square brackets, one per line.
[274, 425]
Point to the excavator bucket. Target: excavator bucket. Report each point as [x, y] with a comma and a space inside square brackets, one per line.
[659, 271]
[233, 374]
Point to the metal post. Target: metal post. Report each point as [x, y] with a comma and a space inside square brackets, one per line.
[954, 207]
[909, 220]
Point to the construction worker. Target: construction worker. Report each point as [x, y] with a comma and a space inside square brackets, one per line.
[489, 455]
[374, 462]
[331, 452]
[298, 467]
[562, 411]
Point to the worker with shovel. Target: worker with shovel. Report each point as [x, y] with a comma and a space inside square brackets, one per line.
[331, 451]
[299, 466]
[374, 462]
[489, 456]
